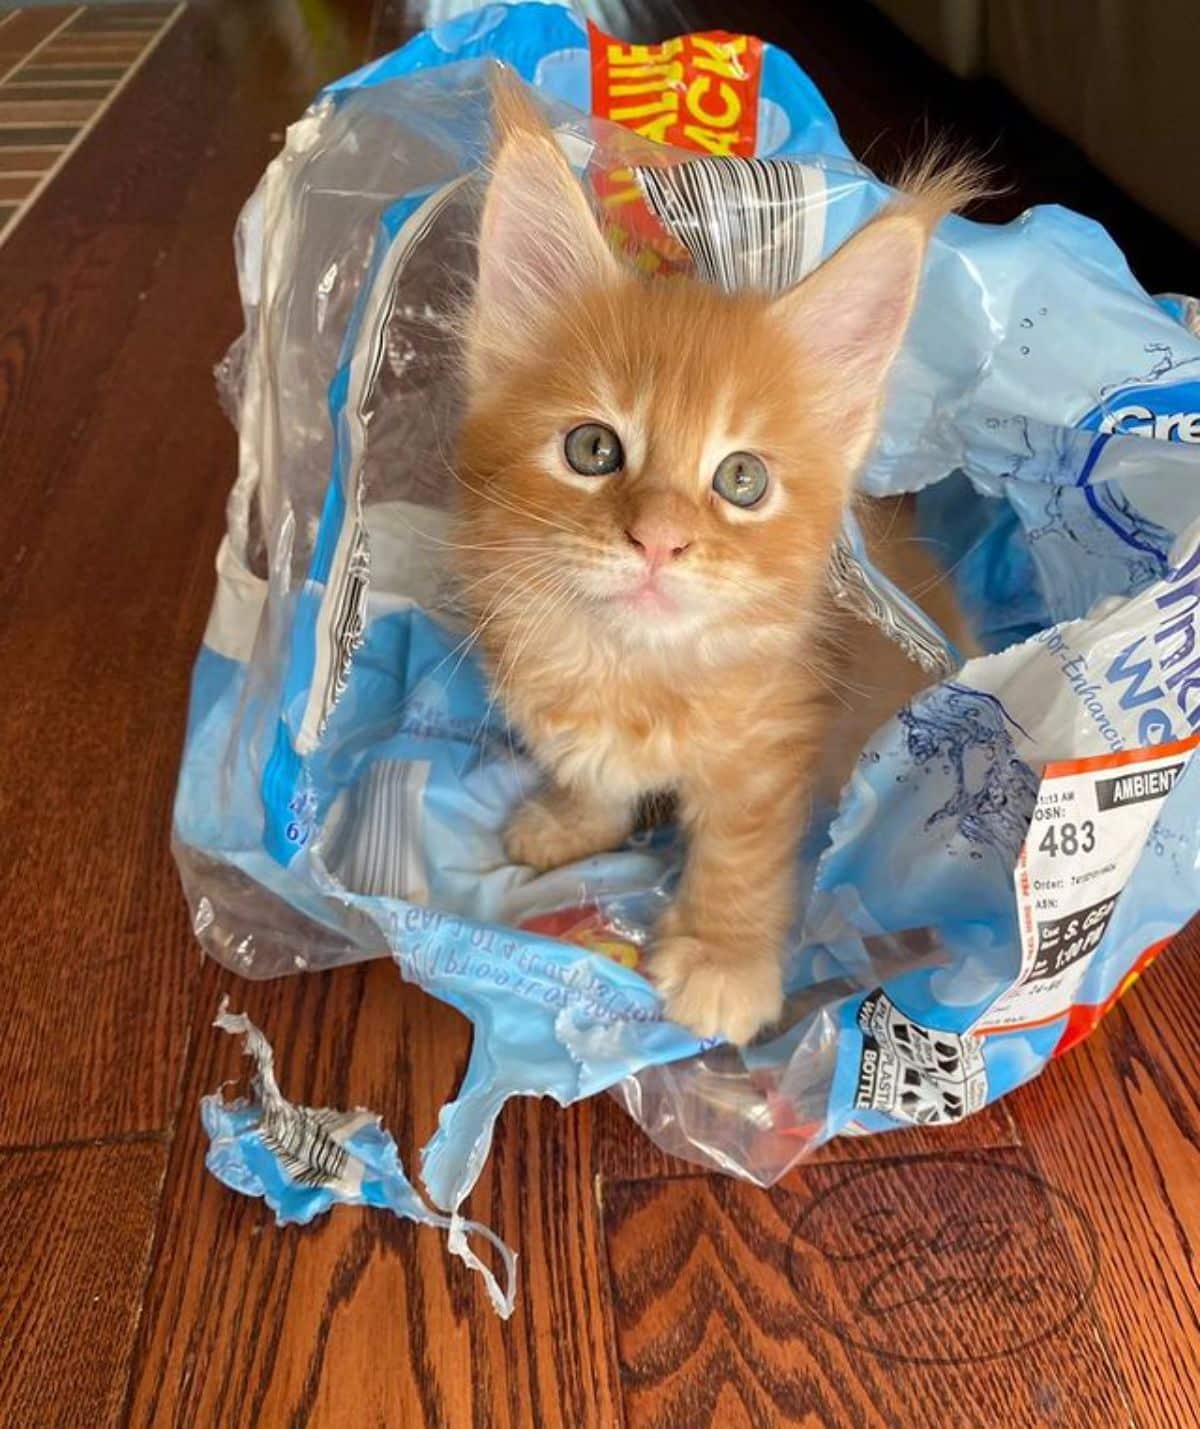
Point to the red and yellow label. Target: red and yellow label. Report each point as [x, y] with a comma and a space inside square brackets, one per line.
[696, 92]
[1083, 1017]
[586, 928]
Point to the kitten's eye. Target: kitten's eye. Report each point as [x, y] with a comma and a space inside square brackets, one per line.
[594, 450]
[742, 479]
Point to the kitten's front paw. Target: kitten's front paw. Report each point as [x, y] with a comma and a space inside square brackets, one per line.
[544, 835]
[536, 837]
[714, 994]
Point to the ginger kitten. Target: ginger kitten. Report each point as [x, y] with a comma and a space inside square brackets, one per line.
[652, 475]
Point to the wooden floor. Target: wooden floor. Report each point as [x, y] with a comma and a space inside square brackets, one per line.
[1036, 1265]
[60, 68]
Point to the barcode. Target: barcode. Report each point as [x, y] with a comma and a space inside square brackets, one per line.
[375, 841]
[300, 1140]
[747, 223]
[348, 622]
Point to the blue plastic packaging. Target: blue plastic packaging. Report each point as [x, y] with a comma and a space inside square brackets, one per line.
[345, 777]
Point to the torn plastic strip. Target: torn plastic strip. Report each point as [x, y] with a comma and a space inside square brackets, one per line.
[303, 1160]
[858, 583]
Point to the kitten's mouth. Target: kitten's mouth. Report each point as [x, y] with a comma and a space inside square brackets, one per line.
[651, 597]
[647, 597]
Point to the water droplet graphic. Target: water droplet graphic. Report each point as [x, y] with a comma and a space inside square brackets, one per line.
[1026, 322]
[1042, 312]
[1024, 352]
[991, 807]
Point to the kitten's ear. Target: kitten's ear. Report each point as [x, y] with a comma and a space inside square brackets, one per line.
[849, 317]
[539, 241]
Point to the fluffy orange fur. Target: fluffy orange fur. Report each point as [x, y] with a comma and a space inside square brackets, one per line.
[644, 634]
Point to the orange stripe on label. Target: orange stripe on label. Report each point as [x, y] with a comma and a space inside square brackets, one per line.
[1063, 767]
[1083, 1017]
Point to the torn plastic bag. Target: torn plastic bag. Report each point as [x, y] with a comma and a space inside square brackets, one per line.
[1011, 850]
[303, 1160]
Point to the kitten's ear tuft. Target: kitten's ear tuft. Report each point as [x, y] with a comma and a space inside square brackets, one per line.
[849, 317]
[939, 181]
[539, 242]
[514, 111]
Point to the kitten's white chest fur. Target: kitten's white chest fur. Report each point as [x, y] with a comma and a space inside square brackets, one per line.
[601, 734]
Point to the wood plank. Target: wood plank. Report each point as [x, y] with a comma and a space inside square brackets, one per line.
[23, 110]
[22, 90]
[27, 29]
[145, 544]
[23, 136]
[17, 186]
[361, 1316]
[116, 461]
[57, 74]
[96, 978]
[74, 1243]
[27, 160]
[123, 509]
[165, 118]
[840, 1299]
[1116, 1122]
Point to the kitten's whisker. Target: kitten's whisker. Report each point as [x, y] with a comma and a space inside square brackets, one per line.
[829, 681]
[525, 562]
[934, 581]
[526, 631]
[555, 585]
[546, 509]
[549, 580]
[530, 542]
[488, 614]
[469, 640]
[517, 509]
[455, 470]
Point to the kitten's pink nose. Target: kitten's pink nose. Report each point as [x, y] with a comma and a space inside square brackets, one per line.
[658, 538]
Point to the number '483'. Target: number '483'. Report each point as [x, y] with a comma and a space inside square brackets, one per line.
[1068, 839]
